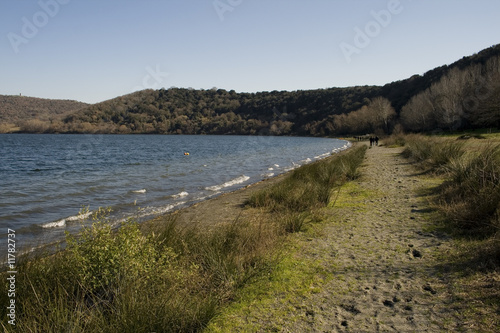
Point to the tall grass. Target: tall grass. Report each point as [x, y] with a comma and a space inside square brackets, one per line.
[395, 140]
[311, 185]
[161, 276]
[165, 279]
[470, 195]
[432, 153]
[308, 188]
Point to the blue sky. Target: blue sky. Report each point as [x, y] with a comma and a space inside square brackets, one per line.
[94, 50]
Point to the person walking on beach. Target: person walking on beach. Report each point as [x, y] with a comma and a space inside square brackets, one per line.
[376, 140]
[371, 141]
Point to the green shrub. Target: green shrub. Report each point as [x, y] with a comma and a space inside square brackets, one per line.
[443, 153]
[471, 194]
[294, 222]
[164, 279]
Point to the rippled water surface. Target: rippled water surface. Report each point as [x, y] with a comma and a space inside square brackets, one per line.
[46, 179]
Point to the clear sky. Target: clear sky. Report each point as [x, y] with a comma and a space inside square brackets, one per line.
[94, 50]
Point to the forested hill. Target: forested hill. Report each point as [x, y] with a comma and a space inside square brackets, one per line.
[21, 111]
[442, 95]
[217, 111]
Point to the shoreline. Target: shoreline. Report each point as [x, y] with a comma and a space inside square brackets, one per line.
[51, 208]
[228, 206]
[219, 208]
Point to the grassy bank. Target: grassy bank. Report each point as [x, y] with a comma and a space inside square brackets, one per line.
[469, 196]
[166, 277]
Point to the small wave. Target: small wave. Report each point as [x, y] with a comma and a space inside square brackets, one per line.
[292, 167]
[62, 223]
[235, 181]
[57, 224]
[139, 191]
[79, 217]
[163, 210]
[319, 157]
[204, 197]
[268, 175]
[180, 195]
[148, 211]
[344, 147]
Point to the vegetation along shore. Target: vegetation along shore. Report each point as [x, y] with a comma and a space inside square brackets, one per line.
[399, 237]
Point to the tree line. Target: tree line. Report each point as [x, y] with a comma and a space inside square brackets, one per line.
[463, 98]
[462, 95]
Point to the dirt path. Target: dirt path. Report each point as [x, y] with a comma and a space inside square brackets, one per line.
[379, 259]
[383, 266]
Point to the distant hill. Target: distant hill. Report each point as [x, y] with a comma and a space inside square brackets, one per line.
[16, 110]
[460, 95]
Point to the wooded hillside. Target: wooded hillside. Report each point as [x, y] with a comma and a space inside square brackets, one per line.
[464, 94]
[33, 113]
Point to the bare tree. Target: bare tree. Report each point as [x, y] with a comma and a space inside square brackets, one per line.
[382, 113]
[419, 113]
[483, 102]
[461, 97]
[449, 92]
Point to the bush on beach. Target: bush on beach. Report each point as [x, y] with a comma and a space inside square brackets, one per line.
[108, 282]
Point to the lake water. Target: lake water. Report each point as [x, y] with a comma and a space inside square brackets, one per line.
[45, 180]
